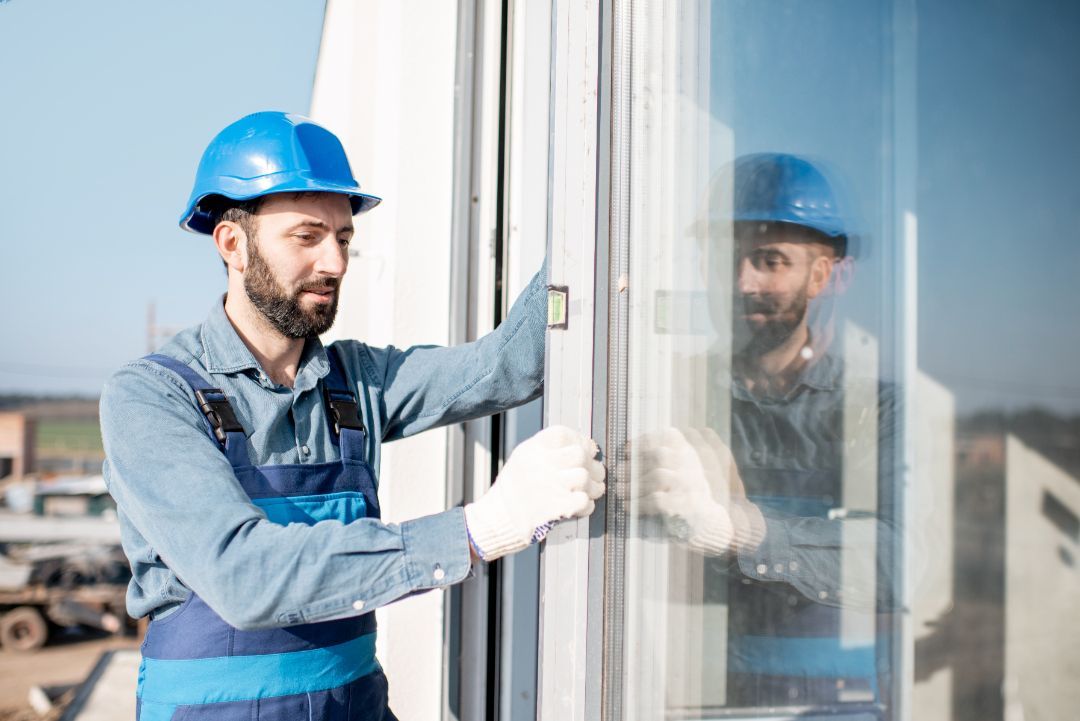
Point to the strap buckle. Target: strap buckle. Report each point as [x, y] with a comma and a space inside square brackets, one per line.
[344, 411]
[219, 412]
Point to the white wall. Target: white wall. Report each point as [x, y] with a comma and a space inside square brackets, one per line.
[385, 84]
[1042, 586]
[933, 528]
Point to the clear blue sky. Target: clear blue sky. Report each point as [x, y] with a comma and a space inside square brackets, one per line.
[107, 106]
[104, 111]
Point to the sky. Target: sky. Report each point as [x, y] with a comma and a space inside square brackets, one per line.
[999, 246]
[105, 109]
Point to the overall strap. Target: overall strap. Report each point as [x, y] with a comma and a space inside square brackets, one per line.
[221, 422]
[343, 413]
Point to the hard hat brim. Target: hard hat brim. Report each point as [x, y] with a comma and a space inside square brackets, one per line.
[198, 221]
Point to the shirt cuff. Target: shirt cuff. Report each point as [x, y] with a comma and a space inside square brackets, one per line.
[436, 550]
[772, 559]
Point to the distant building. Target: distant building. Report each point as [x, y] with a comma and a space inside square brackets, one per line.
[16, 445]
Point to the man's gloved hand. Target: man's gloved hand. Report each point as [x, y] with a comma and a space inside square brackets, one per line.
[688, 477]
[552, 476]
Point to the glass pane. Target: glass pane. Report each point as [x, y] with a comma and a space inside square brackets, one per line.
[851, 452]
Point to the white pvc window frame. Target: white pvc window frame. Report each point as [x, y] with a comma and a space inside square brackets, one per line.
[571, 618]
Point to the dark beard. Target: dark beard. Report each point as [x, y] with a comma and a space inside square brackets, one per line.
[282, 309]
[755, 341]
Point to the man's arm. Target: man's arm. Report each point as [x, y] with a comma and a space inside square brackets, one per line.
[848, 558]
[173, 484]
[425, 387]
[809, 553]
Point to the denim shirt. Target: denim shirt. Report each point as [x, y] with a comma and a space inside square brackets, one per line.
[790, 451]
[187, 525]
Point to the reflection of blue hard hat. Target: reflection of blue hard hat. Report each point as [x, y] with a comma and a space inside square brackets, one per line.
[270, 152]
[782, 188]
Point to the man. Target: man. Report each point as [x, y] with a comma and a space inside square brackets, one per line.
[796, 558]
[244, 455]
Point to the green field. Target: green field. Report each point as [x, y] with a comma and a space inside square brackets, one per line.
[56, 435]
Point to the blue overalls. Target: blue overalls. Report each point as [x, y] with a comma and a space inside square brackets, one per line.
[197, 666]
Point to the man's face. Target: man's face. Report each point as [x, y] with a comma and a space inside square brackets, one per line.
[296, 259]
[778, 270]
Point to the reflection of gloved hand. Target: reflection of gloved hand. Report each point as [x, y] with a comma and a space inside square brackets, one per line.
[689, 478]
[552, 476]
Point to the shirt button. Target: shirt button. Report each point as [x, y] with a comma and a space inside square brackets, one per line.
[305, 450]
[439, 574]
[779, 568]
[762, 569]
[823, 595]
[358, 605]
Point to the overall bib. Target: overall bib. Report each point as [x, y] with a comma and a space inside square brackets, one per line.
[197, 666]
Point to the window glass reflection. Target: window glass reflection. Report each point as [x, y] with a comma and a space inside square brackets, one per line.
[851, 440]
[774, 495]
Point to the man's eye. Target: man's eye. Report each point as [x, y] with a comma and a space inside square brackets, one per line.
[306, 237]
[344, 242]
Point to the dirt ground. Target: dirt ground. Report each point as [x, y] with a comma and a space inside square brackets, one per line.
[63, 662]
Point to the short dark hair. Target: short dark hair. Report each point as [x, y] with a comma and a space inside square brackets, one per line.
[838, 244]
[241, 212]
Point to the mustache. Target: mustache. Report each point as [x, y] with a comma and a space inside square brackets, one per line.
[319, 284]
[751, 305]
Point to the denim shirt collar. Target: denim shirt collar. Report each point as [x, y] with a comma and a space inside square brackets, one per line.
[225, 352]
[821, 374]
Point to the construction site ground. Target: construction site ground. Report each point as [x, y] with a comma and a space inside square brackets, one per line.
[63, 662]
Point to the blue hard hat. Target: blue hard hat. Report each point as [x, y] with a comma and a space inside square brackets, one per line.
[783, 188]
[270, 152]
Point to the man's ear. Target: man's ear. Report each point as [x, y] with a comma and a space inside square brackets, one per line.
[231, 242]
[821, 269]
[843, 274]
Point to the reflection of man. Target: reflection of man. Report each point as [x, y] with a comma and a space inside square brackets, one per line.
[769, 507]
[243, 457]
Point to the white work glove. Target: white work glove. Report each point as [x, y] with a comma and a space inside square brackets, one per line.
[551, 476]
[688, 477]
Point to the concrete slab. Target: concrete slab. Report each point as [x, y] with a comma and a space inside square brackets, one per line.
[109, 691]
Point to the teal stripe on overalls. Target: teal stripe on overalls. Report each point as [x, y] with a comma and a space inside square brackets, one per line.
[346, 506]
[814, 657]
[242, 678]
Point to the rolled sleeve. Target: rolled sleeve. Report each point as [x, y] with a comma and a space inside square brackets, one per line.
[808, 553]
[775, 550]
[434, 552]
